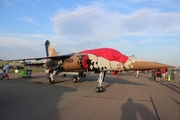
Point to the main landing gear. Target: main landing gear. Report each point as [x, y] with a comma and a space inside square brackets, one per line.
[100, 80]
[76, 79]
[137, 74]
[51, 78]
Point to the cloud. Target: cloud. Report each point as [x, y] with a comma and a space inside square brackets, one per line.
[147, 22]
[173, 49]
[135, 1]
[30, 20]
[21, 46]
[9, 3]
[145, 41]
[118, 44]
[38, 36]
[82, 21]
[12, 42]
[95, 21]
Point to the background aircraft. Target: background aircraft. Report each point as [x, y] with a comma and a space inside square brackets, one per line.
[98, 60]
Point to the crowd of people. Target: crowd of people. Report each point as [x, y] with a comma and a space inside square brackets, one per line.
[7, 67]
[161, 74]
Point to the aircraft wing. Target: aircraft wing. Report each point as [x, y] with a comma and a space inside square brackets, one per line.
[40, 58]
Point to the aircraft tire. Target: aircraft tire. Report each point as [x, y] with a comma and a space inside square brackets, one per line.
[74, 79]
[101, 89]
[53, 81]
[137, 76]
[97, 89]
[50, 81]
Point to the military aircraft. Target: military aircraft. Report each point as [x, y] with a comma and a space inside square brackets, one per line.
[99, 60]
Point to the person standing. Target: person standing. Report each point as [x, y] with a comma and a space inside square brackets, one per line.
[6, 69]
[172, 73]
[164, 70]
[153, 77]
[158, 75]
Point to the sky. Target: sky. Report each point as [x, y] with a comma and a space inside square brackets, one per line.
[147, 29]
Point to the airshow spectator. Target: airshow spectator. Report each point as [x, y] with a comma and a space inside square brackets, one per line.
[173, 73]
[158, 75]
[6, 69]
[164, 70]
[153, 77]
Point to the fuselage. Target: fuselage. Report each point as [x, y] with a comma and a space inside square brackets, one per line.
[101, 60]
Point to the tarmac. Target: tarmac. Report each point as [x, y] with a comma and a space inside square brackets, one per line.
[124, 98]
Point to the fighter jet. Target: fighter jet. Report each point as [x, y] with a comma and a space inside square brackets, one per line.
[99, 60]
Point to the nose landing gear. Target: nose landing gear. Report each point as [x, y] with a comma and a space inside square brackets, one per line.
[100, 80]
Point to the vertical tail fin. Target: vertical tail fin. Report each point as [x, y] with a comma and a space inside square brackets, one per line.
[50, 51]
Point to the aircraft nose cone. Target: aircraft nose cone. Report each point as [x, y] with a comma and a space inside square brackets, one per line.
[138, 64]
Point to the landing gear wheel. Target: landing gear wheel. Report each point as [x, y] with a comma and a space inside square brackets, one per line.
[137, 76]
[99, 89]
[74, 79]
[50, 81]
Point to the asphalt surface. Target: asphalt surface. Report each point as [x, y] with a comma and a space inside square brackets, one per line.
[126, 98]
